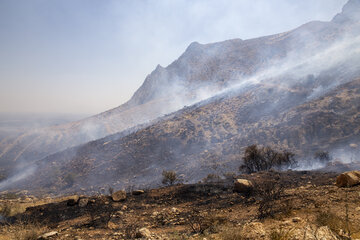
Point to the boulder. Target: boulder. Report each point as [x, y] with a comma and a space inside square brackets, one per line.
[73, 200]
[348, 179]
[243, 186]
[119, 196]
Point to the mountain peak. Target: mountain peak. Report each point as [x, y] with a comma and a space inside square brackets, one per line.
[350, 12]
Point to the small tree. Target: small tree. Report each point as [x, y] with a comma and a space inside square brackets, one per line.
[262, 159]
[169, 177]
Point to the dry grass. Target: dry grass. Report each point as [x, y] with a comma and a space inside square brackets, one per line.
[280, 234]
[8, 209]
[230, 233]
[22, 231]
[334, 222]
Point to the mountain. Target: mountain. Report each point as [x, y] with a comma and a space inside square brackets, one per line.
[297, 90]
[201, 71]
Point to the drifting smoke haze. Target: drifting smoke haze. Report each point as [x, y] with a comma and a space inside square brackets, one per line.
[105, 49]
[18, 176]
[310, 63]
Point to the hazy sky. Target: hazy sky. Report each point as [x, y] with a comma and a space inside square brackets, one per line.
[87, 56]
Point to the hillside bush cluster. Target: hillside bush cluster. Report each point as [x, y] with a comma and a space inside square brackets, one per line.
[265, 158]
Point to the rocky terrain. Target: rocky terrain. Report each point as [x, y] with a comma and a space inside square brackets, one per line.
[307, 206]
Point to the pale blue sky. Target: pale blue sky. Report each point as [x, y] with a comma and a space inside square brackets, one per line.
[87, 56]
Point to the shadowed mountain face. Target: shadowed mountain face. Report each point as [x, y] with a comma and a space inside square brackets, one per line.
[298, 90]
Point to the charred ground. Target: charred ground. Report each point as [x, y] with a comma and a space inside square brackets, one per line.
[174, 212]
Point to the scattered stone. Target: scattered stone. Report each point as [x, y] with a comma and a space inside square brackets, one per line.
[154, 214]
[348, 179]
[138, 192]
[243, 186]
[120, 213]
[144, 233]
[296, 219]
[47, 235]
[175, 210]
[357, 209]
[83, 202]
[124, 208]
[119, 196]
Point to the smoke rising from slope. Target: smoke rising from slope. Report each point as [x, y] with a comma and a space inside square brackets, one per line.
[306, 67]
[344, 53]
[20, 175]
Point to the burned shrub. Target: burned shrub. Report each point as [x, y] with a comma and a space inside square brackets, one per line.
[322, 156]
[169, 177]
[211, 178]
[199, 222]
[262, 159]
[269, 191]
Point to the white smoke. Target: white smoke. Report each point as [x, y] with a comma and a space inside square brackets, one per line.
[20, 175]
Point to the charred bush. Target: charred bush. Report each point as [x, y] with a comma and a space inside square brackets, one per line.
[169, 177]
[200, 222]
[211, 178]
[322, 156]
[229, 176]
[265, 158]
[269, 191]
